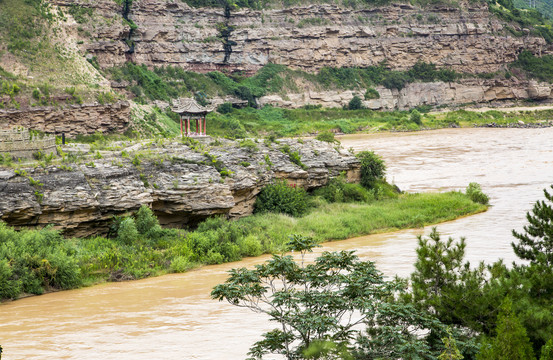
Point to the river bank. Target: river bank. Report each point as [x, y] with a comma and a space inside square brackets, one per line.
[173, 316]
[270, 121]
[34, 262]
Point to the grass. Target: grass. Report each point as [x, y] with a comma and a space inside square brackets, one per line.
[302, 122]
[34, 261]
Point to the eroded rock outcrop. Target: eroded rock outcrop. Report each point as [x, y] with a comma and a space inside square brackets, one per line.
[416, 94]
[182, 183]
[465, 38]
[71, 120]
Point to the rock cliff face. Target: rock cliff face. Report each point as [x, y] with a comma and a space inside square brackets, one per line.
[169, 32]
[417, 94]
[182, 183]
[72, 120]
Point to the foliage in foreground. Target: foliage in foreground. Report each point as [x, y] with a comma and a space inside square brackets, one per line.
[336, 299]
[308, 302]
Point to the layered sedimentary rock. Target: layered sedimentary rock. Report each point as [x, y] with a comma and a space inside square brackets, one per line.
[465, 38]
[71, 120]
[418, 94]
[182, 183]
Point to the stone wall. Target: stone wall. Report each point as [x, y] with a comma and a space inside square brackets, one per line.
[71, 120]
[18, 143]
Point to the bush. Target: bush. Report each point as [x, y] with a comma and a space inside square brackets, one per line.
[127, 232]
[280, 197]
[224, 108]
[327, 136]
[145, 220]
[338, 190]
[372, 168]
[415, 117]
[372, 94]
[474, 192]
[355, 103]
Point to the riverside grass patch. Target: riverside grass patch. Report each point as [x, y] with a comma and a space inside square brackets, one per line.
[37, 261]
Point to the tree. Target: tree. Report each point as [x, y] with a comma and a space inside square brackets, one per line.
[511, 341]
[372, 168]
[446, 286]
[416, 117]
[335, 300]
[451, 351]
[355, 103]
[546, 350]
[536, 243]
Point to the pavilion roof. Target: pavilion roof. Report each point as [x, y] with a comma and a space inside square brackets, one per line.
[190, 106]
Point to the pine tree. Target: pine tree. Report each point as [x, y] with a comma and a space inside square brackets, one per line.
[511, 341]
[536, 243]
[547, 350]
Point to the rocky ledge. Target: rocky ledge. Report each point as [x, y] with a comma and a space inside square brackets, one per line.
[183, 182]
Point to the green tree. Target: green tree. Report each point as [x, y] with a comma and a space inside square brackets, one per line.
[511, 341]
[446, 286]
[451, 352]
[145, 220]
[355, 103]
[416, 117]
[547, 350]
[536, 242]
[127, 232]
[372, 168]
[327, 301]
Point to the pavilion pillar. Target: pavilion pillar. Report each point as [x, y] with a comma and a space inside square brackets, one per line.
[205, 123]
[200, 132]
[181, 134]
[187, 126]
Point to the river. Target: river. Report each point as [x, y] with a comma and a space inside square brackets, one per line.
[172, 316]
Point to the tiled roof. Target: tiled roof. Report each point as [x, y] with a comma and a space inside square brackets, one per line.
[188, 105]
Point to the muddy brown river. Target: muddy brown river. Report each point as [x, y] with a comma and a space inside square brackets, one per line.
[172, 317]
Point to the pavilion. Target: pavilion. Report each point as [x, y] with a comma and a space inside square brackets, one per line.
[188, 109]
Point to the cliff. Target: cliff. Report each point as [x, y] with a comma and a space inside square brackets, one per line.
[72, 120]
[183, 183]
[465, 91]
[466, 38]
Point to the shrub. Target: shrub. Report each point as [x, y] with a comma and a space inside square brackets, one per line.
[338, 190]
[372, 94]
[474, 192]
[127, 232]
[224, 108]
[355, 103]
[145, 220]
[415, 117]
[281, 197]
[327, 136]
[372, 168]
[180, 264]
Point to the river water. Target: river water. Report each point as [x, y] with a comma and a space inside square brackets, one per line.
[172, 317]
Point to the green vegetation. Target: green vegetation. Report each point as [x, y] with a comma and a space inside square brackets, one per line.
[531, 19]
[372, 168]
[138, 247]
[281, 197]
[164, 83]
[540, 68]
[446, 310]
[318, 303]
[474, 192]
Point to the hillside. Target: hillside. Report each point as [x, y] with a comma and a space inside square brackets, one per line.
[62, 53]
